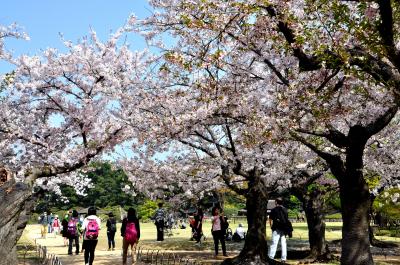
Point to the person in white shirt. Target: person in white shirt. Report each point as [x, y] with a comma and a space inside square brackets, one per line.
[239, 234]
[91, 226]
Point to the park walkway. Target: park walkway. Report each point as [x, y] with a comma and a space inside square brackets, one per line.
[55, 245]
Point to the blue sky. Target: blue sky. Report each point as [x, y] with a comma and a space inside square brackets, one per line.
[44, 20]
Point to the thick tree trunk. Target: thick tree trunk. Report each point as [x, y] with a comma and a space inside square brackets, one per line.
[15, 208]
[255, 250]
[355, 203]
[316, 229]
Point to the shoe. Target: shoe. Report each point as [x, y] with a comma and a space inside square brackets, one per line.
[109, 249]
[113, 249]
[225, 255]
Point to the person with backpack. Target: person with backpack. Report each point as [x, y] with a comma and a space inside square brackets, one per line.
[91, 227]
[130, 231]
[111, 229]
[159, 220]
[73, 232]
[281, 227]
[218, 230]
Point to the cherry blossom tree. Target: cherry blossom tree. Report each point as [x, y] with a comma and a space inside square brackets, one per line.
[329, 67]
[57, 114]
[313, 189]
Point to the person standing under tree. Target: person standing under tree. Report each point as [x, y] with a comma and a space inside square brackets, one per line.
[159, 219]
[278, 221]
[198, 225]
[111, 229]
[218, 229]
[130, 231]
[91, 226]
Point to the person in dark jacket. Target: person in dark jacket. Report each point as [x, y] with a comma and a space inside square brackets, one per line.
[277, 220]
[75, 236]
[198, 225]
[111, 229]
[64, 231]
[131, 217]
[159, 220]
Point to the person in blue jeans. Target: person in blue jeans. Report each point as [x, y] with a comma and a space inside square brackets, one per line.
[278, 230]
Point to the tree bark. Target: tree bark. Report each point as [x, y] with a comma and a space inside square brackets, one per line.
[355, 203]
[316, 228]
[15, 209]
[255, 250]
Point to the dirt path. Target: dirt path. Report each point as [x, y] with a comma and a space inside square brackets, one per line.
[55, 245]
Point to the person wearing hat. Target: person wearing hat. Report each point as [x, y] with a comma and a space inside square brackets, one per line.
[111, 229]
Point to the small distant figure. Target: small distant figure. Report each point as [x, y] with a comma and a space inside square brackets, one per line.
[130, 231]
[198, 225]
[218, 229]
[64, 229]
[56, 225]
[111, 229]
[73, 232]
[44, 223]
[50, 220]
[159, 220]
[239, 234]
[182, 224]
[91, 226]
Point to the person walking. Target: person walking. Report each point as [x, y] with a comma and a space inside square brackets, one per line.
[73, 231]
[218, 229]
[50, 219]
[130, 231]
[278, 221]
[91, 226]
[111, 229]
[159, 219]
[56, 225]
[44, 223]
[64, 229]
[198, 225]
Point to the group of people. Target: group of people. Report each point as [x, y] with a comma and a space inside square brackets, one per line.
[75, 229]
[49, 224]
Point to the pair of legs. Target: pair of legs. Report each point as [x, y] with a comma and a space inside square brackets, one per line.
[199, 234]
[71, 240]
[89, 246]
[160, 230]
[276, 235]
[219, 236]
[111, 241]
[43, 231]
[125, 246]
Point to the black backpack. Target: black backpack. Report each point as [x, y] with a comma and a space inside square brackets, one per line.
[282, 222]
[224, 225]
[113, 225]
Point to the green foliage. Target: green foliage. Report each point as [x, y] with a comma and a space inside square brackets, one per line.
[107, 191]
[147, 209]
[384, 205]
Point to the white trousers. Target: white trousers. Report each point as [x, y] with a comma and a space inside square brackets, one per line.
[276, 235]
